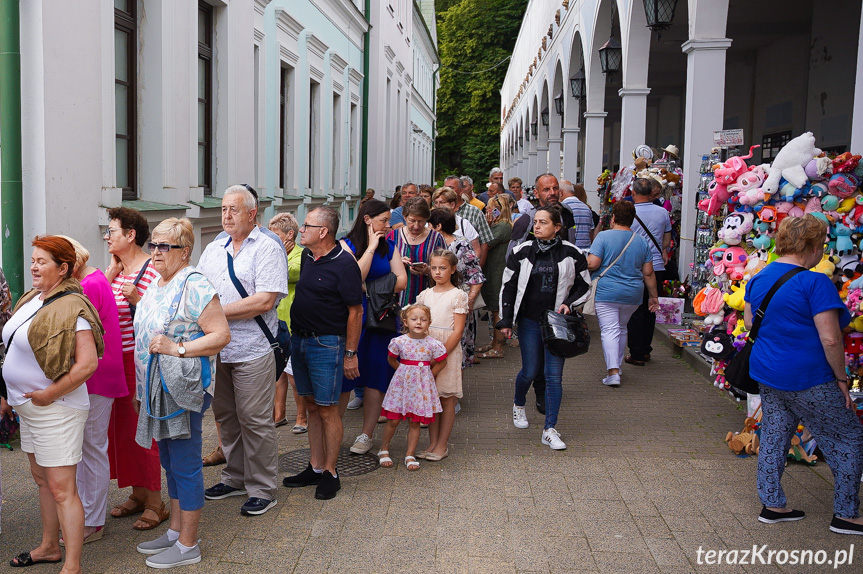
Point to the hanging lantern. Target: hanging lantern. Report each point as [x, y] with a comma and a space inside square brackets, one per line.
[558, 103]
[578, 84]
[610, 56]
[660, 14]
[533, 128]
[544, 116]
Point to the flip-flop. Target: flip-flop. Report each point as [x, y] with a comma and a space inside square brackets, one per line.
[24, 559]
[384, 457]
[411, 463]
[281, 423]
[299, 429]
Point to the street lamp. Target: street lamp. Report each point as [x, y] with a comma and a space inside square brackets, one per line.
[660, 14]
[610, 55]
[544, 116]
[558, 103]
[533, 128]
[578, 84]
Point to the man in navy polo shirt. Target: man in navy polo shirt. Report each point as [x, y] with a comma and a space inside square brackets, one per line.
[326, 319]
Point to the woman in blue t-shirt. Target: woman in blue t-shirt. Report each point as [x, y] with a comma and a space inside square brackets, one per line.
[376, 257]
[620, 288]
[798, 360]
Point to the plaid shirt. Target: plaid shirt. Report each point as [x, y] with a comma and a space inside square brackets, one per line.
[477, 219]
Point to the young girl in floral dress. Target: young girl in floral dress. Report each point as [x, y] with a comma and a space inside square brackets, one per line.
[412, 395]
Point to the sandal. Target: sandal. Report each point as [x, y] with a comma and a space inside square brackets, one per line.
[121, 511]
[490, 354]
[24, 559]
[299, 429]
[215, 458]
[411, 463]
[483, 349]
[162, 512]
[384, 459]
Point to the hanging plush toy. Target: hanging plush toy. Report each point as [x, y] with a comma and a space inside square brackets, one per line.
[733, 168]
[789, 163]
[729, 260]
[735, 227]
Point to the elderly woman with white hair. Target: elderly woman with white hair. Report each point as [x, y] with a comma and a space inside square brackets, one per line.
[179, 316]
[103, 386]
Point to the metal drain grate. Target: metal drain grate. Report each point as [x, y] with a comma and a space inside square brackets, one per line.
[349, 464]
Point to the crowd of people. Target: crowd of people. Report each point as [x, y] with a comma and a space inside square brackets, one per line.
[113, 371]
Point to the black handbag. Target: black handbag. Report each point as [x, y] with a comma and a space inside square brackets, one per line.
[564, 335]
[737, 370]
[383, 305]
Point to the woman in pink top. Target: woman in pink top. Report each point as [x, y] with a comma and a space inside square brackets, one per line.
[130, 273]
[103, 386]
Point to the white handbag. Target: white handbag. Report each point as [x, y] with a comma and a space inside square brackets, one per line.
[590, 304]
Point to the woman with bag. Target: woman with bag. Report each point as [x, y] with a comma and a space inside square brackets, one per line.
[179, 316]
[542, 274]
[500, 221]
[623, 266]
[378, 261]
[798, 361]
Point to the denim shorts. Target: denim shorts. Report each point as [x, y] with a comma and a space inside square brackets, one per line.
[318, 364]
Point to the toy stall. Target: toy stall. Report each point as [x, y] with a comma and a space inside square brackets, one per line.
[740, 206]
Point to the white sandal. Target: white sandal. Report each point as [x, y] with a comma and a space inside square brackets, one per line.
[384, 457]
[411, 463]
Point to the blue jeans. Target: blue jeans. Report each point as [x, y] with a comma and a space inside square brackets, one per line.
[181, 459]
[318, 364]
[537, 362]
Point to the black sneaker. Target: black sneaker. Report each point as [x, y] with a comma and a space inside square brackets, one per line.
[329, 486]
[306, 478]
[540, 405]
[842, 526]
[221, 491]
[771, 517]
[255, 506]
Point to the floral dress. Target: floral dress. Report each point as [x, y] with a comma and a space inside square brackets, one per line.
[412, 394]
[444, 306]
[471, 274]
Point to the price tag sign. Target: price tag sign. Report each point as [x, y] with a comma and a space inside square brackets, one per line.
[728, 138]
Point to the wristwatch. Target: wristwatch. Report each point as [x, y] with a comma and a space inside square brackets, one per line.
[181, 350]
[349, 353]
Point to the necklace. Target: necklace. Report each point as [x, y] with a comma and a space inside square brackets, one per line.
[411, 237]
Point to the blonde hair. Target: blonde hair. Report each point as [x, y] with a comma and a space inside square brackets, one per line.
[502, 202]
[407, 310]
[446, 193]
[798, 235]
[284, 222]
[81, 253]
[179, 231]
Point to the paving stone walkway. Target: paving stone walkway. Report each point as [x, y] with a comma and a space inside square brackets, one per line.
[646, 481]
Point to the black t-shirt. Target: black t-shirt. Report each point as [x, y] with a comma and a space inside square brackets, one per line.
[325, 290]
[541, 288]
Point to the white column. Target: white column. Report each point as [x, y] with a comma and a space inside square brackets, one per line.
[705, 103]
[632, 123]
[594, 127]
[554, 156]
[532, 166]
[541, 159]
[857, 118]
[570, 155]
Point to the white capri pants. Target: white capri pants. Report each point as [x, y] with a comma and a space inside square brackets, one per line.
[613, 318]
[94, 472]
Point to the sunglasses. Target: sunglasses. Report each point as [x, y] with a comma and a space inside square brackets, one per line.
[163, 247]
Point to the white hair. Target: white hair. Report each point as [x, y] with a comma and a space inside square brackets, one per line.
[248, 198]
[494, 170]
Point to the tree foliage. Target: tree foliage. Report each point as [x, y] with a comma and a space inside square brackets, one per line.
[473, 35]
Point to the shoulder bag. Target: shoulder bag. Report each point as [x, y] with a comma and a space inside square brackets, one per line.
[135, 284]
[3, 391]
[564, 335]
[383, 305]
[590, 305]
[281, 350]
[737, 370]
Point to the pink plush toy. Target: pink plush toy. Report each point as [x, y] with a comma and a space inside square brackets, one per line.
[719, 194]
[747, 187]
[731, 260]
[729, 171]
[843, 184]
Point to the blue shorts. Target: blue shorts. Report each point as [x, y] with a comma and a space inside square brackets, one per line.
[318, 364]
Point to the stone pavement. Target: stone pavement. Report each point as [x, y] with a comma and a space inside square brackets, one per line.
[646, 481]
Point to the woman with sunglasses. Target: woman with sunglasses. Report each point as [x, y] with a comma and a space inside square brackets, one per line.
[130, 273]
[179, 316]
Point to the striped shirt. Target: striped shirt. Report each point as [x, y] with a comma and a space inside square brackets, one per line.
[126, 331]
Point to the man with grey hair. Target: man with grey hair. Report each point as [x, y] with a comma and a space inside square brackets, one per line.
[467, 191]
[580, 234]
[472, 214]
[250, 273]
[408, 190]
[326, 319]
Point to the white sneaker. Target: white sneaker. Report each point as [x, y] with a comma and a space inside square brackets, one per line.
[552, 438]
[362, 444]
[457, 408]
[355, 403]
[519, 417]
[611, 381]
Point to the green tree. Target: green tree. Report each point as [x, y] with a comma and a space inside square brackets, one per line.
[473, 35]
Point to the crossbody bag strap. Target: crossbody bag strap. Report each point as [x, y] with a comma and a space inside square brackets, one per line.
[631, 237]
[274, 343]
[649, 234]
[45, 304]
[175, 303]
[141, 272]
[759, 314]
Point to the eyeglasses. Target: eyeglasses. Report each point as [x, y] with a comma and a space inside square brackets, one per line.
[163, 247]
[110, 231]
[305, 225]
